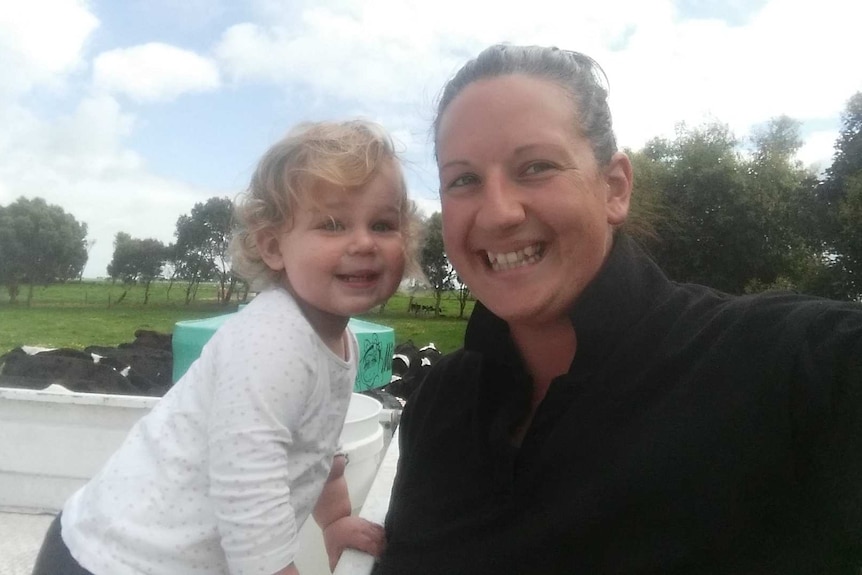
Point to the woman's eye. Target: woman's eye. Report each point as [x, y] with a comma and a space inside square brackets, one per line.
[463, 181]
[538, 168]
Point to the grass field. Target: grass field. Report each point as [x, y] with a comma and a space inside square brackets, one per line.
[77, 315]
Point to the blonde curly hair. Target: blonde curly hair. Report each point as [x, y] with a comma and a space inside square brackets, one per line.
[347, 154]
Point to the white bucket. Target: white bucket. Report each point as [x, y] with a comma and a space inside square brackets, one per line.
[52, 441]
[362, 440]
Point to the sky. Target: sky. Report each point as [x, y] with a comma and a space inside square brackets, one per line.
[128, 113]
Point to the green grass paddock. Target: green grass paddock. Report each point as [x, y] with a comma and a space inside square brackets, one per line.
[79, 314]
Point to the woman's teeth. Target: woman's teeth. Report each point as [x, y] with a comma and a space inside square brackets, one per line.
[511, 260]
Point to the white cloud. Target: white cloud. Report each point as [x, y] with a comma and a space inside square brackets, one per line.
[398, 52]
[140, 204]
[92, 176]
[818, 150]
[351, 67]
[41, 41]
[793, 58]
[88, 143]
[80, 161]
[392, 59]
[386, 61]
[154, 72]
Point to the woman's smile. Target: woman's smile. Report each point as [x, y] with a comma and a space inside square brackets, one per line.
[516, 259]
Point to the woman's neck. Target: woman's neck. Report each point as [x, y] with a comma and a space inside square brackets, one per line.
[547, 351]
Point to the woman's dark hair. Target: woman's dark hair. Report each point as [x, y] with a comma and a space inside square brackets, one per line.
[578, 74]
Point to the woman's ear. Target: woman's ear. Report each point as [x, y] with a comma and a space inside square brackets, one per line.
[269, 246]
[619, 179]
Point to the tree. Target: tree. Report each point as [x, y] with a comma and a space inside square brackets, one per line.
[201, 250]
[121, 263]
[649, 202]
[850, 234]
[847, 160]
[464, 296]
[736, 222]
[137, 261]
[39, 244]
[708, 237]
[783, 202]
[839, 194]
[433, 259]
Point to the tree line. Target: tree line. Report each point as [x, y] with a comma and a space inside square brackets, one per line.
[41, 244]
[199, 254]
[740, 215]
[746, 216]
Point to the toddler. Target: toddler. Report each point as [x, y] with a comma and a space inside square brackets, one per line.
[221, 474]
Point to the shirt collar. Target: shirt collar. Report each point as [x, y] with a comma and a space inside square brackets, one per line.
[627, 284]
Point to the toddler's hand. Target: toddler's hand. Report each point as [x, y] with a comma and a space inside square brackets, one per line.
[353, 532]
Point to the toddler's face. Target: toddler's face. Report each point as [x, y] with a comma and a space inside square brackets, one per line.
[345, 251]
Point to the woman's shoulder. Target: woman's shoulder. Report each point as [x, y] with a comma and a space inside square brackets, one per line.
[449, 383]
[452, 371]
[791, 312]
[772, 310]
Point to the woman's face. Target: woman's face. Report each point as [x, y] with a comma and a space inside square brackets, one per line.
[527, 212]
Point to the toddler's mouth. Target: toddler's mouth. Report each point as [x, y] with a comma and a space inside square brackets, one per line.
[364, 277]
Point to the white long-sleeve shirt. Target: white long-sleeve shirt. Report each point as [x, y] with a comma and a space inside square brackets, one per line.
[221, 474]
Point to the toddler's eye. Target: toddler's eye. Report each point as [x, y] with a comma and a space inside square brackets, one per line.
[331, 225]
[384, 226]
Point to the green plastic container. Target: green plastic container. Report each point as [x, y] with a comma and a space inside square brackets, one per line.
[376, 345]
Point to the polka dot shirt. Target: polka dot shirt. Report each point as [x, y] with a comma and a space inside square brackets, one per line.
[221, 474]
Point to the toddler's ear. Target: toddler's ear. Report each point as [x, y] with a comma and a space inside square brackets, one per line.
[269, 246]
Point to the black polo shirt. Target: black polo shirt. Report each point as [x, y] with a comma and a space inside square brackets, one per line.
[695, 432]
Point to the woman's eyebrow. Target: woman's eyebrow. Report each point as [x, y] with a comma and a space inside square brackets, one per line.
[519, 151]
[455, 163]
[533, 148]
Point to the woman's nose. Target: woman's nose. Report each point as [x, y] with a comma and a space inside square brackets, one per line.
[501, 204]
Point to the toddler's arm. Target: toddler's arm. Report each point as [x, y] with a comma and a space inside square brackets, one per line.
[340, 529]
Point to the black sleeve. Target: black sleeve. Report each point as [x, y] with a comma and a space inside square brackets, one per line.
[827, 407]
[416, 412]
[395, 559]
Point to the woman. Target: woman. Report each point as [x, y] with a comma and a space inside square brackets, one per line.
[601, 418]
